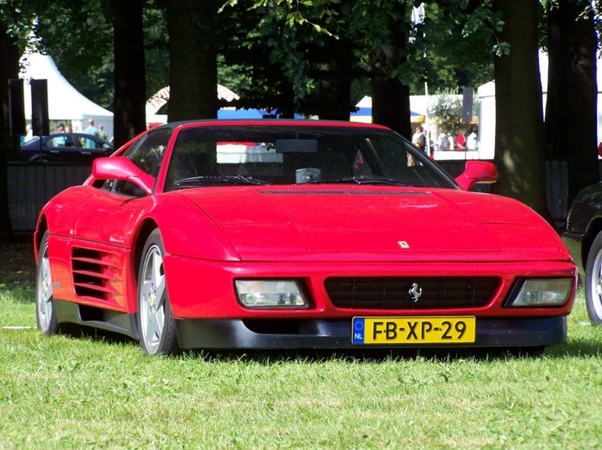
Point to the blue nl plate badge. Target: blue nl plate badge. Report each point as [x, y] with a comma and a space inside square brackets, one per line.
[358, 330]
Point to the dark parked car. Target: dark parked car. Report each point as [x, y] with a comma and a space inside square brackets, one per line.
[72, 147]
[583, 237]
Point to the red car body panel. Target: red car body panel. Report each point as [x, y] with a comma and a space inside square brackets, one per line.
[214, 302]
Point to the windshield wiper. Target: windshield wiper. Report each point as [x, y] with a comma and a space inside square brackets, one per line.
[362, 179]
[210, 180]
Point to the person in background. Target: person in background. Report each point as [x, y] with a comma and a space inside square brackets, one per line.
[432, 146]
[471, 140]
[102, 133]
[28, 134]
[61, 140]
[460, 141]
[419, 139]
[444, 142]
[90, 129]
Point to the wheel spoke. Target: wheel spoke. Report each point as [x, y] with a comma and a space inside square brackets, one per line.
[146, 291]
[156, 267]
[598, 279]
[160, 292]
[152, 330]
[594, 287]
[152, 295]
[46, 280]
[44, 292]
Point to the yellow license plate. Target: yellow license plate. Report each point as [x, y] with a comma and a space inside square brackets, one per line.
[413, 330]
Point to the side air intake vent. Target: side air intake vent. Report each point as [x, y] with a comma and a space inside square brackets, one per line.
[95, 273]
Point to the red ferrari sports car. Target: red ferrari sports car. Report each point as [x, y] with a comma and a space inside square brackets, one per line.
[297, 234]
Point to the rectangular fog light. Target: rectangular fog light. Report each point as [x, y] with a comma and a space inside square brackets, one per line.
[543, 292]
[278, 294]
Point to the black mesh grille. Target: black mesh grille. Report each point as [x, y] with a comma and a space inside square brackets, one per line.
[386, 293]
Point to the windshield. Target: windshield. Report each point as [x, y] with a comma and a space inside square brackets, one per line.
[287, 154]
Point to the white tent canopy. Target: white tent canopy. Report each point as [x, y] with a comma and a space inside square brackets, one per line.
[65, 103]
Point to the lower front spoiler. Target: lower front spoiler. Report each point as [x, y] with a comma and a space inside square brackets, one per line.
[305, 334]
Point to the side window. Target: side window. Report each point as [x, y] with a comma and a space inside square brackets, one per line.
[68, 142]
[59, 141]
[147, 154]
[76, 141]
[89, 143]
[149, 151]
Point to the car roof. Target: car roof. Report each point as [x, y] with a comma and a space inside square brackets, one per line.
[76, 134]
[269, 122]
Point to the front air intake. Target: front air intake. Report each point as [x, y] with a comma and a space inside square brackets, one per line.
[411, 293]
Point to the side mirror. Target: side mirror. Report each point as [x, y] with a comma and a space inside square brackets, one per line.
[477, 172]
[122, 168]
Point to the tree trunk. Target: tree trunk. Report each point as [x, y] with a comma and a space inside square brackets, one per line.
[193, 59]
[335, 94]
[129, 117]
[287, 105]
[571, 108]
[391, 105]
[390, 97]
[519, 133]
[335, 82]
[559, 86]
[9, 69]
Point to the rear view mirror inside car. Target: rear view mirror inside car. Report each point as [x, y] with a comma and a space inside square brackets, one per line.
[296, 146]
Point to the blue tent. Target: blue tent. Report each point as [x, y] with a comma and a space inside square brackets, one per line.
[232, 113]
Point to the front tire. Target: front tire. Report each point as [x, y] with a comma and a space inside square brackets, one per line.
[593, 282]
[45, 313]
[156, 324]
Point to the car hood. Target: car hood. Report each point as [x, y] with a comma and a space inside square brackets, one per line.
[405, 222]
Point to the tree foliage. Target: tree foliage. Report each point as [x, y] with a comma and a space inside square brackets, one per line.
[447, 109]
[81, 42]
[280, 45]
[321, 57]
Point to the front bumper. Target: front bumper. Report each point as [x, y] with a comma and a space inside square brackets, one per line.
[304, 334]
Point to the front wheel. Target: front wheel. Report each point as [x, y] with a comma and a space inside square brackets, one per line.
[45, 313]
[593, 282]
[156, 324]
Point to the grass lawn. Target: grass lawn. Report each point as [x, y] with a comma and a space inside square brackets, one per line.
[65, 392]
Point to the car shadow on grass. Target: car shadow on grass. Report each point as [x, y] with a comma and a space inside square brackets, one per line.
[576, 348]
[269, 357]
